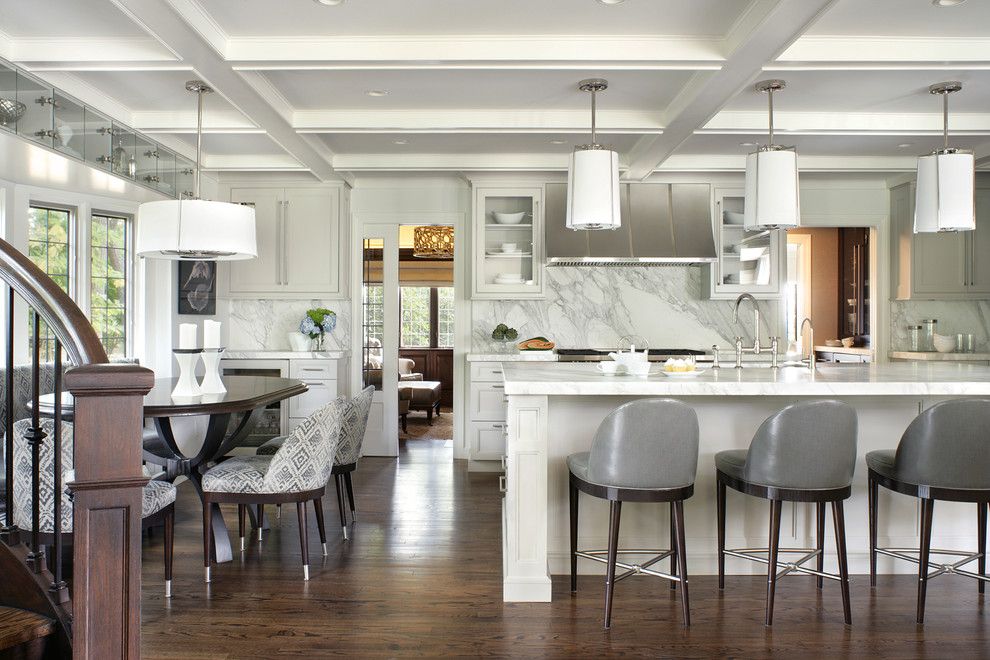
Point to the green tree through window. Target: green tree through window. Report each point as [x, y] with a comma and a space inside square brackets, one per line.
[48, 248]
[427, 317]
[108, 281]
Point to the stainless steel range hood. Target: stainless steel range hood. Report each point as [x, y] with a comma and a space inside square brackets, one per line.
[662, 225]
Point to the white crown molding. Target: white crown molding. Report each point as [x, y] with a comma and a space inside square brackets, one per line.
[846, 123]
[251, 162]
[261, 84]
[919, 50]
[184, 121]
[92, 96]
[737, 163]
[87, 49]
[473, 121]
[673, 51]
[6, 45]
[450, 162]
[197, 18]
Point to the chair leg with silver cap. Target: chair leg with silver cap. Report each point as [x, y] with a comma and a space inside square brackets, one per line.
[320, 523]
[169, 548]
[303, 538]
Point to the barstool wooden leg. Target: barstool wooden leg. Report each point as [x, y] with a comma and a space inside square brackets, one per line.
[874, 496]
[838, 517]
[350, 494]
[981, 525]
[241, 522]
[673, 545]
[613, 547]
[207, 537]
[169, 547]
[820, 521]
[261, 520]
[927, 509]
[338, 482]
[774, 545]
[321, 523]
[303, 538]
[678, 512]
[720, 505]
[573, 492]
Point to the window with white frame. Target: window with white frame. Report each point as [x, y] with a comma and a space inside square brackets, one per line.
[49, 247]
[109, 241]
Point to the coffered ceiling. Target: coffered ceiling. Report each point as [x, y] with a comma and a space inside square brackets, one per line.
[443, 85]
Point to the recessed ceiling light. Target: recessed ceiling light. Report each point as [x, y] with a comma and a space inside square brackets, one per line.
[747, 144]
[947, 3]
[905, 145]
[329, 3]
[377, 92]
[611, 2]
[558, 141]
[400, 141]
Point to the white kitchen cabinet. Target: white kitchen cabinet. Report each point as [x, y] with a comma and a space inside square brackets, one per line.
[943, 266]
[748, 262]
[488, 401]
[502, 274]
[486, 440]
[486, 427]
[300, 251]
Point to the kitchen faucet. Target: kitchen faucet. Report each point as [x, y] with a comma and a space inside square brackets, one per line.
[756, 333]
[811, 342]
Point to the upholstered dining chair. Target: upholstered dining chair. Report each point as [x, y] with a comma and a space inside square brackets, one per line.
[354, 423]
[298, 472]
[157, 505]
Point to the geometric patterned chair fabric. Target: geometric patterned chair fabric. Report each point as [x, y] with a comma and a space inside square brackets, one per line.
[157, 494]
[23, 390]
[302, 463]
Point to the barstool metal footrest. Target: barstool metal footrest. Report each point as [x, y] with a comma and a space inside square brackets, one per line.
[907, 554]
[753, 554]
[633, 569]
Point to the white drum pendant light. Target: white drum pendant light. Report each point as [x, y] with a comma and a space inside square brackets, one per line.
[945, 199]
[196, 228]
[772, 198]
[593, 177]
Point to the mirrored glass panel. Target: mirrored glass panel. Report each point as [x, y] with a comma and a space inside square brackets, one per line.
[98, 137]
[122, 156]
[146, 161]
[184, 170]
[166, 171]
[10, 108]
[39, 101]
[70, 126]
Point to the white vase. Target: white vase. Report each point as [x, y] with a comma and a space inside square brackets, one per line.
[300, 342]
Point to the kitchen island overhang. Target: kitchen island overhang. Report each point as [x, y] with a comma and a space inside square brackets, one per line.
[554, 410]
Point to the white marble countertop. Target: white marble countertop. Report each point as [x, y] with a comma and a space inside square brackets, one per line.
[938, 357]
[513, 356]
[893, 379]
[235, 354]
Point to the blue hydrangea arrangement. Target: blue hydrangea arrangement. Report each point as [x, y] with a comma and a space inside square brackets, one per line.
[318, 322]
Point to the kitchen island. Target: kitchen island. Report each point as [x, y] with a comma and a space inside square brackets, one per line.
[554, 410]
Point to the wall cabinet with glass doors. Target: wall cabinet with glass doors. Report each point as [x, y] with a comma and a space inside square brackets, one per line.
[508, 242]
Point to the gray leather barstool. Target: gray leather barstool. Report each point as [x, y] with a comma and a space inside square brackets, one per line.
[804, 453]
[644, 451]
[943, 455]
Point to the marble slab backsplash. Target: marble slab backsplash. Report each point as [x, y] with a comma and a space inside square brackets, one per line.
[595, 307]
[954, 317]
[264, 325]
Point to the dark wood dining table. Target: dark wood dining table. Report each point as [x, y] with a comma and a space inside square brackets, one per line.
[232, 416]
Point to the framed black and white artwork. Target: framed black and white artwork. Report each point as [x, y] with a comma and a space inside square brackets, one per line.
[197, 287]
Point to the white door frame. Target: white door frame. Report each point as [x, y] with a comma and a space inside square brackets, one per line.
[382, 436]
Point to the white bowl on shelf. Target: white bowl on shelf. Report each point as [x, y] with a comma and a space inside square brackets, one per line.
[733, 217]
[504, 278]
[508, 218]
[944, 343]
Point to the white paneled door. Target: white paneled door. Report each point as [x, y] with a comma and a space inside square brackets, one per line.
[376, 333]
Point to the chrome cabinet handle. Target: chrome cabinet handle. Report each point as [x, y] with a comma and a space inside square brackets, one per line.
[497, 372]
[498, 387]
[504, 460]
[501, 484]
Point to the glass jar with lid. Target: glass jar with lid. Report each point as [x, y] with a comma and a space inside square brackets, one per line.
[914, 337]
[928, 329]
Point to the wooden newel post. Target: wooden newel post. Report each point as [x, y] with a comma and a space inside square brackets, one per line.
[106, 488]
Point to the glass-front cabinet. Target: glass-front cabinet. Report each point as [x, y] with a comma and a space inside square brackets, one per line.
[70, 126]
[36, 103]
[748, 261]
[508, 242]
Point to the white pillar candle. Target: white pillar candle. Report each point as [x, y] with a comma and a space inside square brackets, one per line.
[187, 335]
[211, 334]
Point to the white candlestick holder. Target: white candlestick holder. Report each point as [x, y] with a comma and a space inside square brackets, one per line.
[212, 383]
[187, 387]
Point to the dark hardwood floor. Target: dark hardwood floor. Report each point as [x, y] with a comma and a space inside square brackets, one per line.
[421, 577]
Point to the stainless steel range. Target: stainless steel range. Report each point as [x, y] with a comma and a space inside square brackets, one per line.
[655, 355]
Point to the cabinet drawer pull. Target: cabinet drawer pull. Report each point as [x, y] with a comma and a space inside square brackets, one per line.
[498, 426]
[497, 371]
[311, 383]
[498, 387]
[504, 457]
[501, 483]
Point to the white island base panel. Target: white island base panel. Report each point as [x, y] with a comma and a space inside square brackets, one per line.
[544, 427]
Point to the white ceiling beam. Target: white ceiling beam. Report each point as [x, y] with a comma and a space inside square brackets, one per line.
[473, 121]
[251, 162]
[450, 162]
[737, 163]
[768, 29]
[91, 96]
[845, 123]
[678, 52]
[214, 121]
[159, 19]
[911, 52]
[87, 49]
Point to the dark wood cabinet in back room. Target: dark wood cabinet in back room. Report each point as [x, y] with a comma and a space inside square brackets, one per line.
[854, 283]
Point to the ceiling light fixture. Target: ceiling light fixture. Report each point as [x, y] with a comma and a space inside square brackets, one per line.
[377, 92]
[433, 242]
[400, 141]
[329, 3]
[196, 228]
[611, 2]
[947, 3]
[593, 177]
[747, 144]
[945, 197]
[558, 141]
[905, 145]
[772, 197]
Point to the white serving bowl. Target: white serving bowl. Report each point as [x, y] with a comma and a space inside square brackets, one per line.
[508, 218]
[944, 343]
[733, 217]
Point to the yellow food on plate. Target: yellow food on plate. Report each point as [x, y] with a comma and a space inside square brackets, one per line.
[676, 365]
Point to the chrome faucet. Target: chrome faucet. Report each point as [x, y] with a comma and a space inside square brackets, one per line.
[811, 342]
[756, 333]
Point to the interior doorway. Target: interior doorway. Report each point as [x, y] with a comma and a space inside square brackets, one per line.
[829, 281]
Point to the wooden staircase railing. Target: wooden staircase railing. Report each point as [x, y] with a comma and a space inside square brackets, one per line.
[99, 613]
